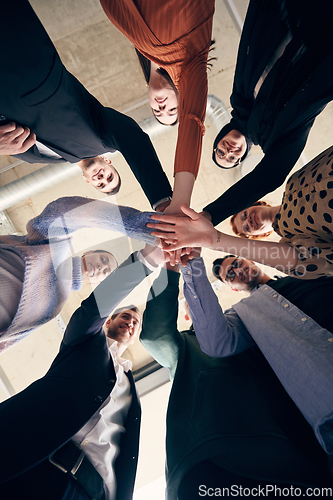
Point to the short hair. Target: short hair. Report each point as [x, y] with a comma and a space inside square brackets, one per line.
[251, 236]
[115, 190]
[218, 263]
[125, 308]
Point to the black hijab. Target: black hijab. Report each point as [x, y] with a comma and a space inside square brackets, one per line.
[232, 125]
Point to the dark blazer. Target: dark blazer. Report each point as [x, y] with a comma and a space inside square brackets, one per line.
[38, 91]
[43, 417]
[295, 91]
[233, 410]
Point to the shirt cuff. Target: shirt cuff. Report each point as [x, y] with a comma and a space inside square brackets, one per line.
[145, 262]
[167, 198]
[195, 269]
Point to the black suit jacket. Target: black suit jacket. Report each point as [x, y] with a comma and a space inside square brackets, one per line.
[37, 91]
[46, 415]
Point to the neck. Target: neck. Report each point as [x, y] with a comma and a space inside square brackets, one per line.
[264, 279]
[273, 211]
[121, 348]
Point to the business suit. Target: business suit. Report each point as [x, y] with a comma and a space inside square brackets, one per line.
[55, 407]
[230, 410]
[38, 91]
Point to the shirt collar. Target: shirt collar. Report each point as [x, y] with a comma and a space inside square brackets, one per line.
[113, 348]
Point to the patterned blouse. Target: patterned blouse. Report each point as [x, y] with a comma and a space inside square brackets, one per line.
[306, 215]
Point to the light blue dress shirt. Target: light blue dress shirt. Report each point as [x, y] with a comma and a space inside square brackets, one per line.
[298, 349]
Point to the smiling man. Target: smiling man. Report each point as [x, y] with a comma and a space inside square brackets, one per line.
[83, 416]
[47, 116]
[101, 174]
[242, 275]
[123, 326]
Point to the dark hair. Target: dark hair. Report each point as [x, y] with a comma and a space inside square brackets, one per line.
[145, 66]
[223, 132]
[251, 236]
[210, 59]
[125, 308]
[218, 263]
[116, 189]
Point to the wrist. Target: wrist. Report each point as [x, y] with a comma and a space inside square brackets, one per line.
[206, 215]
[145, 257]
[216, 239]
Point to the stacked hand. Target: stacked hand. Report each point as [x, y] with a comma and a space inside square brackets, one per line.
[179, 232]
[15, 139]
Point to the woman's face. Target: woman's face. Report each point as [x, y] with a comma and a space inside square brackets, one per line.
[163, 100]
[254, 220]
[230, 149]
[98, 265]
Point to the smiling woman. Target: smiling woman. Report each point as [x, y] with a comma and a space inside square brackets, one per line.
[97, 265]
[303, 220]
[180, 49]
[255, 221]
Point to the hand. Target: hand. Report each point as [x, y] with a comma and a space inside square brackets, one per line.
[179, 232]
[179, 255]
[15, 139]
[155, 255]
[206, 215]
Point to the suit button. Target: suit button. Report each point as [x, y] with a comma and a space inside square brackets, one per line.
[111, 381]
[2, 117]
[136, 419]
[98, 399]
[133, 458]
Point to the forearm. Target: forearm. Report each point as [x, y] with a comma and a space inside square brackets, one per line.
[218, 334]
[193, 87]
[159, 334]
[136, 147]
[66, 215]
[182, 191]
[281, 256]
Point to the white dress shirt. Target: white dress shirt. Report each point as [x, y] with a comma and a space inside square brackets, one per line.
[100, 437]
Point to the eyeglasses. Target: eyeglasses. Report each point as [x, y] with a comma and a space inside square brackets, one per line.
[233, 160]
[231, 275]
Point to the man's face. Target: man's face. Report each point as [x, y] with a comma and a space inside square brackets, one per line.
[241, 274]
[124, 328]
[97, 265]
[100, 173]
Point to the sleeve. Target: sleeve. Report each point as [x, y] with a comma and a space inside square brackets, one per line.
[160, 335]
[268, 175]
[313, 258]
[193, 89]
[219, 334]
[66, 215]
[89, 318]
[137, 149]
